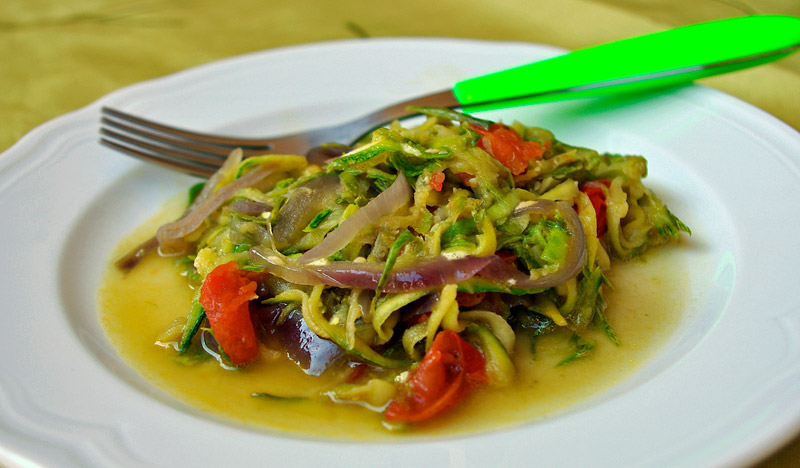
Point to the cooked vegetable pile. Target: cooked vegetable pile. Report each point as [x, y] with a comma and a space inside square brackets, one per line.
[415, 258]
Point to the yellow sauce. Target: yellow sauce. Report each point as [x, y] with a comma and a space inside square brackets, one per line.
[644, 308]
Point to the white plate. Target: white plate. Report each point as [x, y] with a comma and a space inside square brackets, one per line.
[725, 391]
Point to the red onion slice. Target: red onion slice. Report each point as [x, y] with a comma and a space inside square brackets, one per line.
[426, 274]
[313, 354]
[137, 254]
[248, 207]
[171, 236]
[128, 261]
[233, 160]
[398, 194]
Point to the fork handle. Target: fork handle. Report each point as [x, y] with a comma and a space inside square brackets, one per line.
[660, 59]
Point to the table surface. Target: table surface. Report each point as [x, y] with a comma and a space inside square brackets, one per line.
[58, 56]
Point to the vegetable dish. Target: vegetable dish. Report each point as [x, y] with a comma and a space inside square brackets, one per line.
[414, 259]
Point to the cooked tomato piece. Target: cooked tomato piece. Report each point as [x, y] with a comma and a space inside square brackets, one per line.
[597, 195]
[225, 295]
[450, 370]
[466, 299]
[465, 178]
[437, 179]
[508, 147]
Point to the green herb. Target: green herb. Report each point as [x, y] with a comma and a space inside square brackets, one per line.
[394, 251]
[243, 247]
[412, 165]
[193, 321]
[602, 322]
[195, 190]
[458, 232]
[535, 323]
[383, 140]
[582, 348]
[318, 219]
[380, 179]
[270, 396]
[587, 305]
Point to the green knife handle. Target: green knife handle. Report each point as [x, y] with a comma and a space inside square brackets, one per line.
[660, 59]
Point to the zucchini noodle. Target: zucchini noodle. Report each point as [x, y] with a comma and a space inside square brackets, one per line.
[444, 313]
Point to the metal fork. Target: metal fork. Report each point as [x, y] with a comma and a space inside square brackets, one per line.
[202, 154]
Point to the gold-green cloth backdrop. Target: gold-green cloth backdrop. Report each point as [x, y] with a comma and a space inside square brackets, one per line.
[59, 55]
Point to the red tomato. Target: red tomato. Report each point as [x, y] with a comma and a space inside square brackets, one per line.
[450, 370]
[465, 178]
[437, 179]
[597, 195]
[508, 147]
[466, 299]
[225, 296]
[423, 317]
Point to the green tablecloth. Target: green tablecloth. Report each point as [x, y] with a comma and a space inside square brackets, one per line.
[56, 55]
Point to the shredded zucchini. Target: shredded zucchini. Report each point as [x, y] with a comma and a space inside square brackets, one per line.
[480, 248]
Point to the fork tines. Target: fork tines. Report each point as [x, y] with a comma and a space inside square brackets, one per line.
[172, 147]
